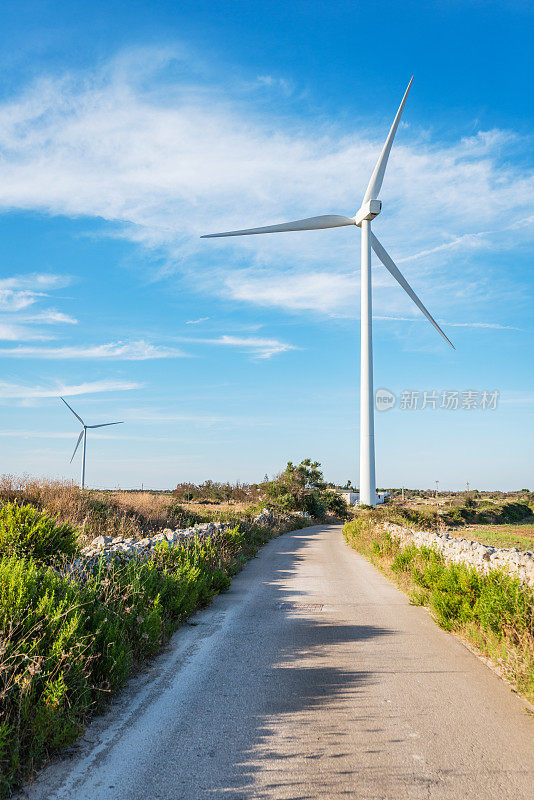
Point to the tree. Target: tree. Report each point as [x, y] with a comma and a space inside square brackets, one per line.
[303, 488]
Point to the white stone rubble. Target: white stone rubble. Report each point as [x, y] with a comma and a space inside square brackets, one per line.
[108, 546]
[482, 557]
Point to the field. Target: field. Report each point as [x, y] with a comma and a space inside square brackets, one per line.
[516, 535]
[504, 521]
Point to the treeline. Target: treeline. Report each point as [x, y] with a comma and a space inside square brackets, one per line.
[215, 492]
[300, 487]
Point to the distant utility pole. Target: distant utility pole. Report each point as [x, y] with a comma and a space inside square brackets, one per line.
[437, 508]
[467, 487]
[403, 494]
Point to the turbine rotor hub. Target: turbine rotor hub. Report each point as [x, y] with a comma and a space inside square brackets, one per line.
[369, 210]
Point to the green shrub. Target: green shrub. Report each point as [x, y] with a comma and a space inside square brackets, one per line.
[67, 644]
[494, 610]
[26, 532]
[303, 488]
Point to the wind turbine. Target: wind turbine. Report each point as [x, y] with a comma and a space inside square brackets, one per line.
[83, 435]
[370, 208]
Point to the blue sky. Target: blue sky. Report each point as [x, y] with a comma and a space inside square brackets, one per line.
[129, 129]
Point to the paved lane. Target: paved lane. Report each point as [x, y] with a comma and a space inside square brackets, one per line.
[311, 679]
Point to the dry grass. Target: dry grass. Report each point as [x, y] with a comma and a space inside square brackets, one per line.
[102, 513]
[61, 497]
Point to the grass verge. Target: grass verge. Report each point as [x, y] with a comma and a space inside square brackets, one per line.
[493, 612]
[68, 643]
[515, 535]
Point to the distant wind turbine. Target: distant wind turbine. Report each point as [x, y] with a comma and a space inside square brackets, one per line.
[83, 435]
[370, 208]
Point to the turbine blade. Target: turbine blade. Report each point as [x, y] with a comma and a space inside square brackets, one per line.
[73, 411]
[375, 184]
[105, 424]
[389, 264]
[308, 224]
[80, 437]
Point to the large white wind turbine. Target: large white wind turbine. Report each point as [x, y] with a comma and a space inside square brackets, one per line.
[370, 208]
[83, 435]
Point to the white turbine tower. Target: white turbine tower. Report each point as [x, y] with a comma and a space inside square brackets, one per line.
[83, 435]
[370, 208]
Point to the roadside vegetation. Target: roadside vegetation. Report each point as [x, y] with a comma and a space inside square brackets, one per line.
[69, 639]
[138, 514]
[499, 522]
[493, 612]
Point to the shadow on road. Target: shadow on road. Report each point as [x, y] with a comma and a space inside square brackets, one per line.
[280, 713]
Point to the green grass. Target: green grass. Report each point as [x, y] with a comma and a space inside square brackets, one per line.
[68, 643]
[494, 612]
[518, 535]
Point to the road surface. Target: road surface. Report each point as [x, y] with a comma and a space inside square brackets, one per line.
[311, 678]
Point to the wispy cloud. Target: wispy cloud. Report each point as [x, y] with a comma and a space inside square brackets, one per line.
[119, 351]
[202, 420]
[20, 291]
[110, 145]
[261, 348]
[10, 332]
[11, 300]
[489, 325]
[19, 391]
[318, 291]
[18, 294]
[197, 321]
[48, 317]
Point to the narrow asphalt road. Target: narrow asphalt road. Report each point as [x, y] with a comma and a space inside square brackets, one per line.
[311, 678]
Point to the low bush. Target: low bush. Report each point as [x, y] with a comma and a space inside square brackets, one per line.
[494, 611]
[26, 532]
[68, 641]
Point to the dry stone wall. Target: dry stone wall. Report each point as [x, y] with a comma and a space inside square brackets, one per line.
[483, 557]
[111, 548]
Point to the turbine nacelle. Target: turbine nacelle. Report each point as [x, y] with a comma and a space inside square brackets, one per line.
[369, 210]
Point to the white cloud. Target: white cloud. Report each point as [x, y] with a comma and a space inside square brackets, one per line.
[20, 292]
[10, 332]
[19, 391]
[167, 166]
[35, 282]
[123, 351]
[489, 325]
[49, 317]
[202, 420]
[197, 321]
[260, 348]
[319, 291]
[15, 301]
